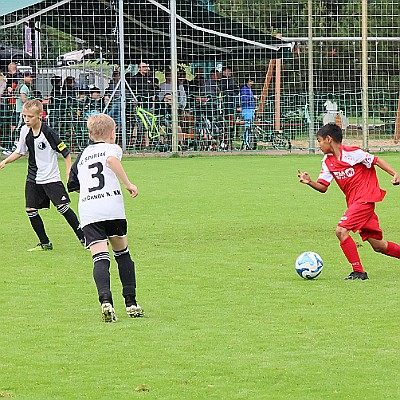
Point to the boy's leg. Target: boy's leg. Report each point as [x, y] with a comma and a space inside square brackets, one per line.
[126, 268]
[72, 220]
[101, 271]
[35, 199]
[349, 249]
[58, 195]
[356, 218]
[101, 275]
[38, 226]
[373, 234]
[390, 249]
[97, 242]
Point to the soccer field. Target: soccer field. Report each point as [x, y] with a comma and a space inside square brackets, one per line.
[214, 240]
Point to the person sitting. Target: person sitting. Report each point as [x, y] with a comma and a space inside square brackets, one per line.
[68, 90]
[113, 95]
[165, 114]
[94, 104]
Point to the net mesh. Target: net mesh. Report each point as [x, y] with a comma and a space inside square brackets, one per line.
[73, 49]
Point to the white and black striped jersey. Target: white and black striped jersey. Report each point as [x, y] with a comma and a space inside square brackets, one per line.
[100, 196]
[43, 149]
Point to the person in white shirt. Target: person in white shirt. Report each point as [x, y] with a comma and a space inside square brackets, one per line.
[96, 174]
[43, 183]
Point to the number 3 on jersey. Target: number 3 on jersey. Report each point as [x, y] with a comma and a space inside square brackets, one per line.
[98, 175]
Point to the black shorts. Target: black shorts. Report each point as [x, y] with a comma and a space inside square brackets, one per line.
[38, 196]
[101, 231]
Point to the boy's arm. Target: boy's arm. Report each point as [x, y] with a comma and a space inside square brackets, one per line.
[118, 170]
[68, 164]
[73, 183]
[385, 166]
[12, 157]
[306, 179]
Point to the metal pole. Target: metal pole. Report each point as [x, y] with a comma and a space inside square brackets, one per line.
[364, 46]
[101, 70]
[311, 78]
[278, 72]
[174, 76]
[122, 70]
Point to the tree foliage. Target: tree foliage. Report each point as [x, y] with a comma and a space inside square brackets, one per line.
[335, 63]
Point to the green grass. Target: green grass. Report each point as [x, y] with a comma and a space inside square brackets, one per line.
[214, 240]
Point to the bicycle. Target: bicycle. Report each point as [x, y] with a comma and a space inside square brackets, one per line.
[148, 122]
[210, 132]
[254, 134]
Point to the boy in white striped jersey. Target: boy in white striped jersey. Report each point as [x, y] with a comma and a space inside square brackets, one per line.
[43, 182]
[96, 174]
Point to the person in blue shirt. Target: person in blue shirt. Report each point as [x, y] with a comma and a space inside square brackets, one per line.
[247, 102]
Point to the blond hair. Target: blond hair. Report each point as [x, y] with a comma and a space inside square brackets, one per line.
[100, 125]
[35, 105]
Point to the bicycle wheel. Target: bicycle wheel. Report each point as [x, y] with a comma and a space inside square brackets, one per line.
[280, 141]
[254, 137]
[249, 139]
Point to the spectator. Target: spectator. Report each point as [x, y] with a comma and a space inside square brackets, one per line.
[166, 88]
[212, 85]
[196, 86]
[212, 91]
[23, 90]
[13, 78]
[3, 85]
[81, 102]
[94, 103]
[165, 113]
[230, 92]
[247, 102]
[54, 99]
[3, 112]
[182, 94]
[145, 88]
[115, 100]
[56, 84]
[69, 89]
[184, 107]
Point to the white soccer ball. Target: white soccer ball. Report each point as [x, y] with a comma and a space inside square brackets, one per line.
[309, 265]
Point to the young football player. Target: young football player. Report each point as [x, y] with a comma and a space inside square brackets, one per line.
[353, 169]
[43, 183]
[96, 174]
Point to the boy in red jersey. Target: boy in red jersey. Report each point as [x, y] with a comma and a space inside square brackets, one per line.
[354, 171]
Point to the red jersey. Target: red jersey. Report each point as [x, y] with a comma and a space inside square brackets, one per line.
[355, 174]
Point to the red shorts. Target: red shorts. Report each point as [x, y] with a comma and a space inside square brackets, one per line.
[361, 217]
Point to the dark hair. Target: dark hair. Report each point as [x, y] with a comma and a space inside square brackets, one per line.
[69, 80]
[56, 80]
[333, 130]
[225, 68]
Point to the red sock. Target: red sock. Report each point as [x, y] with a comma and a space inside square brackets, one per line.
[350, 251]
[393, 250]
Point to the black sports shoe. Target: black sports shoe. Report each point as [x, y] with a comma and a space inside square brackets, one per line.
[356, 275]
[42, 247]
